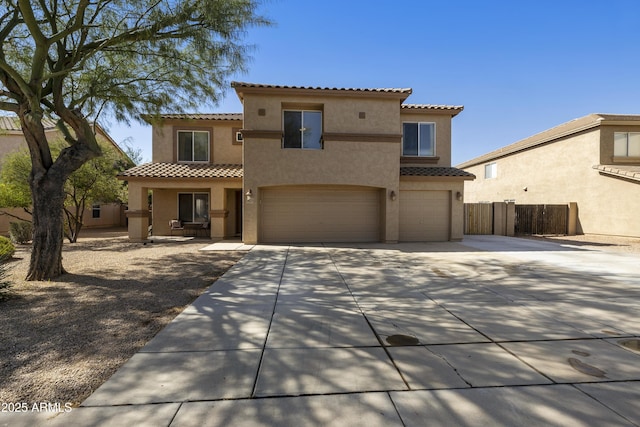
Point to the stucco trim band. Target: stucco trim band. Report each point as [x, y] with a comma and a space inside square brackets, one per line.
[221, 213]
[420, 160]
[263, 134]
[361, 137]
[137, 213]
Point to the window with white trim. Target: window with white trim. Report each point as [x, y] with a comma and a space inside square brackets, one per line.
[626, 144]
[193, 146]
[419, 139]
[95, 210]
[302, 129]
[490, 170]
[193, 207]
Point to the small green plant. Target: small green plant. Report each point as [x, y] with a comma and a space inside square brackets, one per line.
[5, 283]
[6, 252]
[6, 249]
[20, 232]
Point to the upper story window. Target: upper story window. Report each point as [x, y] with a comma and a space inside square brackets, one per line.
[626, 144]
[490, 170]
[193, 146]
[419, 139]
[302, 129]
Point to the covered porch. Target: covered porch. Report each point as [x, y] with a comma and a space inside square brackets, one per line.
[205, 200]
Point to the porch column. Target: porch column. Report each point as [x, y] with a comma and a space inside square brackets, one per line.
[218, 212]
[138, 212]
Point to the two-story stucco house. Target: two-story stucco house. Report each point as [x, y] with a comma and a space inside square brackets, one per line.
[305, 164]
[593, 161]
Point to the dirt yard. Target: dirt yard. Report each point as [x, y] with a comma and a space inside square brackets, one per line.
[597, 241]
[62, 339]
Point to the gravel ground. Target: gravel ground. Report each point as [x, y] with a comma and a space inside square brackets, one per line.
[60, 340]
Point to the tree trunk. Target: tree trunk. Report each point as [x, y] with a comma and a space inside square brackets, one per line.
[48, 233]
[47, 180]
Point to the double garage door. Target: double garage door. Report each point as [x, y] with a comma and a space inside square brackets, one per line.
[320, 214]
[349, 214]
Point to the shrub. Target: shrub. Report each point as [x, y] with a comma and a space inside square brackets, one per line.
[5, 284]
[20, 232]
[6, 249]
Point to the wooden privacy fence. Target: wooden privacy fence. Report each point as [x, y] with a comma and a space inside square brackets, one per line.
[507, 218]
[478, 218]
[542, 219]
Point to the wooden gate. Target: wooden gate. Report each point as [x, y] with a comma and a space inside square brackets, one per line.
[541, 219]
[478, 218]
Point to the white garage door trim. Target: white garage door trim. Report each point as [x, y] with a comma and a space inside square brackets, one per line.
[319, 214]
[425, 216]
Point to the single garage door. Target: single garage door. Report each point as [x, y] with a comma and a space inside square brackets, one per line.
[424, 216]
[320, 214]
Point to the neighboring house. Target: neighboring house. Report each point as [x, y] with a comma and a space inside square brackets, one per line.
[12, 139]
[593, 160]
[304, 164]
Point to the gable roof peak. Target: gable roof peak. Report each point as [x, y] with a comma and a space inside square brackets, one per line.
[580, 124]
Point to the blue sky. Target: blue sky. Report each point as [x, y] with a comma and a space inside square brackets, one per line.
[518, 67]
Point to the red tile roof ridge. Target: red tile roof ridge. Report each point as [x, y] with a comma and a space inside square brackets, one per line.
[236, 84]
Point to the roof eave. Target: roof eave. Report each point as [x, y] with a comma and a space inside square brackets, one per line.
[242, 88]
[153, 119]
[449, 110]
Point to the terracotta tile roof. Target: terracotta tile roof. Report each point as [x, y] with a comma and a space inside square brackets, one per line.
[565, 129]
[434, 171]
[182, 170]
[455, 109]
[10, 123]
[620, 171]
[237, 85]
[195, 116]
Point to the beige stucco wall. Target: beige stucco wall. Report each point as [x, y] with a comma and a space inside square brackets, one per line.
[443, 132]
[111, 215]
[561, 172]
[340, 113]
[342, 161]
[373, 164]
[222, 137]
[10, 142]
[6, 219]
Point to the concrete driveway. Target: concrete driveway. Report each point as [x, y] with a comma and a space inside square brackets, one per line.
[490, 331]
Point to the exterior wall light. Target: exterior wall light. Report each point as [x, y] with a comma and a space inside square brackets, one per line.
[392, 196]
[459, 196]
[249, 195]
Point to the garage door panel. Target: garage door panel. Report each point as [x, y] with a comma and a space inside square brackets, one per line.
[297, 214]
[424, 216]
